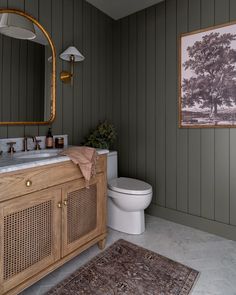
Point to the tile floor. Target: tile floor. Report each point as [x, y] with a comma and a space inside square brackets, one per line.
[213, 256]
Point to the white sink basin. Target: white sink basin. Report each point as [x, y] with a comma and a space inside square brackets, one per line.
[46, 153]
[36, 154]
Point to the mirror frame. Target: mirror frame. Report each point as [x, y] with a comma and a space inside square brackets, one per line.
[53, 86]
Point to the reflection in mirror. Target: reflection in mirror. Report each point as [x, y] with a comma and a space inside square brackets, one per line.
[25, 71]
[16, 26]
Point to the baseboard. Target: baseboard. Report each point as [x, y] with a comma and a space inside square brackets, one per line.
[225, 230]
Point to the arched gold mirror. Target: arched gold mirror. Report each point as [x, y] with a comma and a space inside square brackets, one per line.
[27, 70]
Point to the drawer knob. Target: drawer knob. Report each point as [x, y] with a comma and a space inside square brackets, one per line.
[65, 202]
[59, 205]
[28, 183]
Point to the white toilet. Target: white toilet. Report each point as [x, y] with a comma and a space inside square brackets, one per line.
[127, 199]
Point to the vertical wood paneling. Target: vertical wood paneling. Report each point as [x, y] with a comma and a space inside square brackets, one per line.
[232, 201]
[124, 153]
[132, 70]
[22, 80]
[94, 81]
[171, 104]
[79, 73]
[45, 17]
[3, 129]
[95, 70]
[207, 174]
[141, 95]
[195, 169]
[70, 22]
[32, 9]
[132, 95]
[14, 131]
[109, 69]
[222, 11]
[6, 90]
[1, 74]
[222, 176]
[57, 38]
[30, 86]
[194, 198]
[222, 143]
[232, 147]
[67, 93]
[160, 105]
[151, 97]
[207, 137]
[116, 80]
[182, 134]
[194, 139]
[15, 80]
[87, 67]
[102, 68]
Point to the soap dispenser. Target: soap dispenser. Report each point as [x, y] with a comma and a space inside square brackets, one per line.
[49, 139]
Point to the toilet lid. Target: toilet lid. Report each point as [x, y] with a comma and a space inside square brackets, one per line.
[130, 186]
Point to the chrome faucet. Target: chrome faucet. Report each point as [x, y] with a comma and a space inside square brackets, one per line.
[25, 142]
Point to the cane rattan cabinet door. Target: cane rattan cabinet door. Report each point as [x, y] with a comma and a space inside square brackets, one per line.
[83, 215]
[30, 227]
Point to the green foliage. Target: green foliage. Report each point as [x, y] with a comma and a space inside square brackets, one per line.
[103, 136]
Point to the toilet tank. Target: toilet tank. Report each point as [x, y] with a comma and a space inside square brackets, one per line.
[112, 169]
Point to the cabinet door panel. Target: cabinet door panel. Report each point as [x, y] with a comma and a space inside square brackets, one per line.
[81, 210]
[82, 213]
[30, 227]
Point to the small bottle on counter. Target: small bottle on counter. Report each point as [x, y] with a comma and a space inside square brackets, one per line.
[59, 142]
[49, 139]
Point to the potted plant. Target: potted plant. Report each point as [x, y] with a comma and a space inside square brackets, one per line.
[103, 136]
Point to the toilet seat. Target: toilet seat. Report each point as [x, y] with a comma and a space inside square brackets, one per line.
[129, 186]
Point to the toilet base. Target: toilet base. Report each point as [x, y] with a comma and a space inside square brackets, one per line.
[123, 221]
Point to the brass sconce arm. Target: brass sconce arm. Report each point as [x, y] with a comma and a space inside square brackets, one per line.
[71, 55]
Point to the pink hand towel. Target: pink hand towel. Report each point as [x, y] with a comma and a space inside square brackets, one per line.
[85, 158]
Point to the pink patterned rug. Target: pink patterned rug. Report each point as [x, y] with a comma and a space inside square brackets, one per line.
[127, 269]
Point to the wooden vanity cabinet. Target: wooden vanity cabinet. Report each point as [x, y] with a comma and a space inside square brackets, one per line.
[83, 213]
[43, 229]
[30, 236]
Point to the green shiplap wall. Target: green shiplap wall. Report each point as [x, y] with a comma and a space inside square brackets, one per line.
[74, 22]
[130, 77]
[193, 172]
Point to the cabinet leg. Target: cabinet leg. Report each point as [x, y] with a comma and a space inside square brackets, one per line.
[102, 244]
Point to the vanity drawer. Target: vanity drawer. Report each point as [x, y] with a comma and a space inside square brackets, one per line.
[34, 179]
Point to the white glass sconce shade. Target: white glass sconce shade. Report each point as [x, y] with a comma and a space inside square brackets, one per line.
[72, 51]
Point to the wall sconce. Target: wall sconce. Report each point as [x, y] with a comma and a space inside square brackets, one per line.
[72, 55]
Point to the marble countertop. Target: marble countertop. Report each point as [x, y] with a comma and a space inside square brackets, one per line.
[11, 163]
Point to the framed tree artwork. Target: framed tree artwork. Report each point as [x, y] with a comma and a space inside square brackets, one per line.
[207, 78]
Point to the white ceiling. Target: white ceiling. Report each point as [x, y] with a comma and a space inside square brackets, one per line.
[121, 8]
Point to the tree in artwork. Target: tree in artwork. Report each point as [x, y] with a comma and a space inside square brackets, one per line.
[212, 62]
